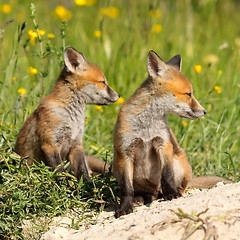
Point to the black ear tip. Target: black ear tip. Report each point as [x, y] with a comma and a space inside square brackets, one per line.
[152, 52]
[68, 48]
[179, 56]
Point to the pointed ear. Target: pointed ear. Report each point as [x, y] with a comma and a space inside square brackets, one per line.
[176, 62]
[73, 59]
[155, 65]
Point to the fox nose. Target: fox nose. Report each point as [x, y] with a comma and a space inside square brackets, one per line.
[204, 112]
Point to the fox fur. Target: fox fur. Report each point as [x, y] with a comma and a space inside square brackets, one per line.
[54, 131]
[148, 161]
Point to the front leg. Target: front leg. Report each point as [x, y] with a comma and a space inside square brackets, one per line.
[169, 188]
[78, 164]
[126, 188]
[125, 165]
[52, 157]
[168, 184]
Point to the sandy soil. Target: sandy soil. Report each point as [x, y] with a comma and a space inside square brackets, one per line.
[199, 214]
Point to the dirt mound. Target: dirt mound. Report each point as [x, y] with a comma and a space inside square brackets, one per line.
[199, 214]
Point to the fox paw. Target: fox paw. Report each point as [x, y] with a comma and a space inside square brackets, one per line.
[171, 196]
[120, 212]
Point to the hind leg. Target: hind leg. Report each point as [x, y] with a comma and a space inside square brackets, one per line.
[182, 171]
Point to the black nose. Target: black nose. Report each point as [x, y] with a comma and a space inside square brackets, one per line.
[205, 112]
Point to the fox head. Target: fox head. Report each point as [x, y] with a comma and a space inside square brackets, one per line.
[88, 79]
[169, 83]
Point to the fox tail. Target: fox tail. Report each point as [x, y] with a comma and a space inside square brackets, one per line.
[206, 181]
[96, 165]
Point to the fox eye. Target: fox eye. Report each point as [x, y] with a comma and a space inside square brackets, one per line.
[104, 82]
[189, 94]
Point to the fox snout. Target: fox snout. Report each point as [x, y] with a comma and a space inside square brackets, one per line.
[191, 111]
[195, 113]
[113, 96]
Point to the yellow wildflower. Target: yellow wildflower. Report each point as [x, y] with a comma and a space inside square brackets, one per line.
[14, 78]
[217, 89]
[32, 34]
[157, 28]
[111, 12]
[86, 122]
[50, 35]
[81, 2]
[155, 13]
[120, 100]
[41, 32]
[184, 123]
[97, 33]
[63, 13]
[32, 71]
[85, 2]
[197, 68]
[6, 8]
[99, 108]
[22, 91]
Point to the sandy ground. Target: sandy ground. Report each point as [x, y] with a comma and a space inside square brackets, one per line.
[199, 214]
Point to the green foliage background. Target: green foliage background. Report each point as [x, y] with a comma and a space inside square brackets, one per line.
[204, 32]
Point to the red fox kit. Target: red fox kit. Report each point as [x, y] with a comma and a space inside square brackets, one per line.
[54, 131]
[148, 161]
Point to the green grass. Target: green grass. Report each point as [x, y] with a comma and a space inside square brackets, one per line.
[204, 32]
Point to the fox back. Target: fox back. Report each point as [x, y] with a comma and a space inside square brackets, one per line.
[54, 131]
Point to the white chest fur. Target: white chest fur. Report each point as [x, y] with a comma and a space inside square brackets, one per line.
[72, 118]
[149, 123]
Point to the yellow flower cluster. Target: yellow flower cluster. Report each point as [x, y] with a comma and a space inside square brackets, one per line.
[33, 35]
[197, 68]
[85, 2]
[63, 13]
[111, 12]
[6, 8]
